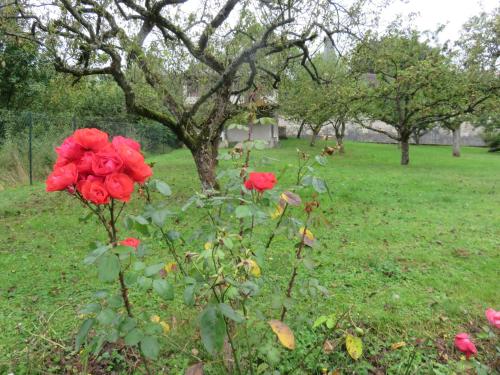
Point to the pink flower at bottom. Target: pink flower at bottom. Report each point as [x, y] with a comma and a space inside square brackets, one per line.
[493, 317]
[465, 345]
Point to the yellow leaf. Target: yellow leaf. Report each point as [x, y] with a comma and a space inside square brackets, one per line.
[155, 319]
[290, 198]
[284, 333]
[398, 345]
[308, 235]
[165, 326]
[354, 346]
[254, 268]
[170, 267]
[277, 213]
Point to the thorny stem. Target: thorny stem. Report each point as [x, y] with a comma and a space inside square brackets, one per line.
[245, 313]
[97, 212]
[111, 230]
[228, 332]
[273, 233]
[123, 287]
[291, 282]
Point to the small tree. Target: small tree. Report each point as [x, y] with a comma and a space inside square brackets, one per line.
[411, 85]
[329, 102]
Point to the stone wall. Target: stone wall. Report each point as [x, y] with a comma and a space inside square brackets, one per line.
[470, 136]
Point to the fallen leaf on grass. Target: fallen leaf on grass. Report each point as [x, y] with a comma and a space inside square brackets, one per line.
[398, 345]
[354, 346]
[328, 347]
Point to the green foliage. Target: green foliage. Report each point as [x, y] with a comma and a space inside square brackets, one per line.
[331, 101]
[393, 280]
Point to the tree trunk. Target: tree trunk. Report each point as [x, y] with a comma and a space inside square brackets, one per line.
[205, 158]
[405, 151]
[416, 137]
[313, 137]
[339, 135]
[456, 141]
[301, 128]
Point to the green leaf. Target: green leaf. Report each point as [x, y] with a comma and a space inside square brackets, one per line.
[134, 336]
[130, 278]
[189, 295]
[91, 308]
[112, 335]
[92, 257]
[173, 235]
[154, 269]
[140, 220]
[108, 267]
[150, 347]
[139, 266]
[101, 294]
[242, 211]
[213, 329]
[164, 289]
[228, 242]
[319, 321]
[106, 316]
[115, 301]
[127, 325]
[319, 185]
[83, 332]
[159, 216]
[163, 188]
[144, 282]
[228, 312]
[321, 160]
[330, 322]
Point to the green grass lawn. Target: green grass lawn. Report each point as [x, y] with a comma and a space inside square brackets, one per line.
[413, 251]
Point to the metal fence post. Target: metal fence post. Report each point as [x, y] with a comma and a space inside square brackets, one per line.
[30, 150]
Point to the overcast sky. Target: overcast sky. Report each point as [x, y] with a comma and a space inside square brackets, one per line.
[454, 13]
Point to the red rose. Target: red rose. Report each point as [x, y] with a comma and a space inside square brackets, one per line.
[131, 241]
[84, 165]
[119, 186]
[140, 173]
[91, 138]
[93, 191]
[69, 149]
[119, 140]
[62, 177]
[260, 181]
[60, 162]
[106, 161]
[131, 158]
